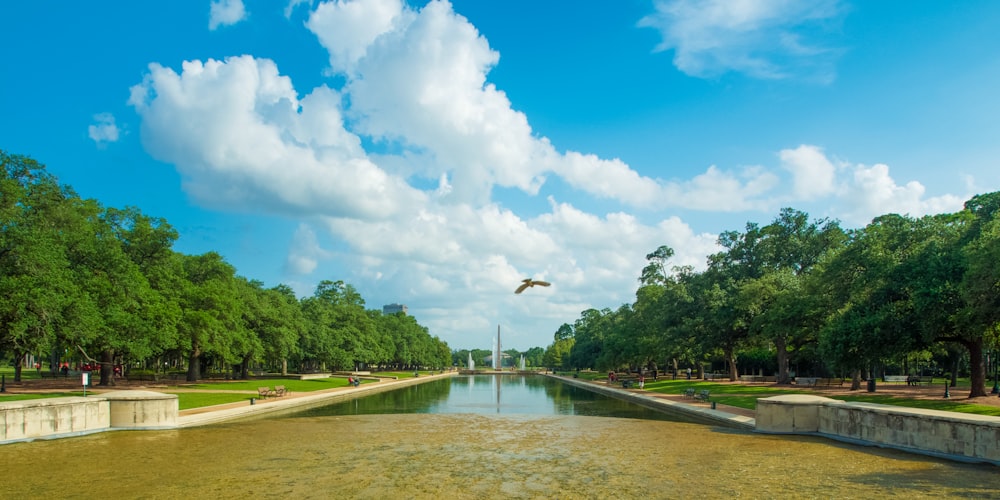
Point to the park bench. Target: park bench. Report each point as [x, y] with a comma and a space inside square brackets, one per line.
[702, 395]
[811, 381]
[279, 390]
[830, 382]
[689, 392]
[895, 379]
[263, 392]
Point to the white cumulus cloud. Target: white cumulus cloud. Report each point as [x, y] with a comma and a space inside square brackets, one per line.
[225, 13]
[104, 130]
[243, 140]
[812, 173]
[872, 192]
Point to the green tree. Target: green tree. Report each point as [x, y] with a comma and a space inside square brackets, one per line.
[36, 285]
[211, 310]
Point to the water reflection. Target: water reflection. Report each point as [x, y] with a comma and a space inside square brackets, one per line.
[493, 394]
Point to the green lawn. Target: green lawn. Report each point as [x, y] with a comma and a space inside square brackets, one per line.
[188, 400]
[293, 385]
[6, 396]
[26, 374]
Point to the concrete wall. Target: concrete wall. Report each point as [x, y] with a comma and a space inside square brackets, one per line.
[142, 410]
[956, 436]
[76, 416]
[56, 417]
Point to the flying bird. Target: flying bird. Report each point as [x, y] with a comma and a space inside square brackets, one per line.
[526, 283]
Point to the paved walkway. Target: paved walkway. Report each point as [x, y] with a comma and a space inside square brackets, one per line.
[725, 415]
[218, 413]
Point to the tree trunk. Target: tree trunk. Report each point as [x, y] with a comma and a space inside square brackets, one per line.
[977, 367]
[107, 368]
[245, 368]
[284, 366]
[782, 353]
[731, 361]
[194, 365]
[856, 380]
[18, 364]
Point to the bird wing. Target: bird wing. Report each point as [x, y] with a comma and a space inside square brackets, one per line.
[522, 287]
[541, 283]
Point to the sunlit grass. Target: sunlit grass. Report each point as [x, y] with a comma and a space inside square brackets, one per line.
[4, 397]
[294, 385]
[399, 374]
[188, 400]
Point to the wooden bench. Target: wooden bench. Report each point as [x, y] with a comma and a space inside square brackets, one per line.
[279, 390]
[263, 392]
[810, 381]
[830, 382]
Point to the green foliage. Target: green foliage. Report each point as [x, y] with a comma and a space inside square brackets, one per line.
[830, 300]
[87, 283]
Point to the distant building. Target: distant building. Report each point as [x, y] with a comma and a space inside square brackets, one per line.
[393, 309]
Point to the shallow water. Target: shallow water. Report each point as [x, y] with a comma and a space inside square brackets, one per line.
[474, 455]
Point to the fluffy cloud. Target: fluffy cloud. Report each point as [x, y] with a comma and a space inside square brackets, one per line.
[347, 29]
[761, 38]
[225, 12]
[872, 192]
[813, 174]
[243, 139]
[418, 80]
[105, 130]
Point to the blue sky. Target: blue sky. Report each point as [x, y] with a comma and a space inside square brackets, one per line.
[434, 154]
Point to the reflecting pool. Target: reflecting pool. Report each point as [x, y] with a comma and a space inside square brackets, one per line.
[494, 395]
[449, 438]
